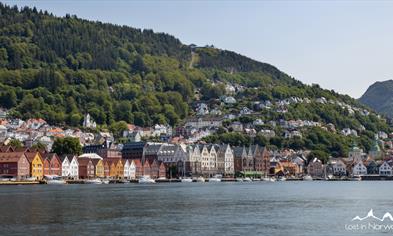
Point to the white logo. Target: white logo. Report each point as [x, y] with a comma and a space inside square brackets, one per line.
[370, 214]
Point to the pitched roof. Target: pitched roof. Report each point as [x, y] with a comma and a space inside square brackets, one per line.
[83, 161]
[10, 156]
[31, 155]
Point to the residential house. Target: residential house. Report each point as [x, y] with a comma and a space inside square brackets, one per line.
[359, 169]
[385, 169]
[339, 167]
[315, 168]
[372, 168]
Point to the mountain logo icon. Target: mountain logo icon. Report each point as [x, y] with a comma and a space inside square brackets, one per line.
[370, 215]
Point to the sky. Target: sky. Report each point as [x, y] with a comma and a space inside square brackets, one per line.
[340, 45]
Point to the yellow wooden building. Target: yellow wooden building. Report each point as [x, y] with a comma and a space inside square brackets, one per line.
[36, 164]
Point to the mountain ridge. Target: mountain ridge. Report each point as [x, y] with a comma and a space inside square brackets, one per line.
[378, 96]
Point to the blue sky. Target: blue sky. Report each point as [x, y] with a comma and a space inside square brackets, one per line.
[341, 45]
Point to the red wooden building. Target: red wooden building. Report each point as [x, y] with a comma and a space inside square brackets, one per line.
[14, 164]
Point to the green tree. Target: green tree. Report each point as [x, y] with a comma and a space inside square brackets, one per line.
[117, 128]
[15, 143]
[67, 145]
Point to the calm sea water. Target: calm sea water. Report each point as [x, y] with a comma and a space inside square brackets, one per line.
[258, 208]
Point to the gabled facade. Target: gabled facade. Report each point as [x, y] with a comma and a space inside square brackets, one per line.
[74, 167]
[385, 169]
[315, 168]
[359, 169]
[36, 164]
[65, 166]
[98, 168]
[86, 168]
[225, 158]
[132, 170]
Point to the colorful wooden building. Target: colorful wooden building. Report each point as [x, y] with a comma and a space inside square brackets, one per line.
[14, 164]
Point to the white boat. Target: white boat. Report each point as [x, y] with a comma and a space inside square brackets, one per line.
[54, 179]
[186, 180]
[268, 179]
[200, 179]
[247, 179]
[239, 180]
[216, 178]
[146, 180]
[307, 178]
[93, 181]
[356, 178]
[105, 181]
[282, 179]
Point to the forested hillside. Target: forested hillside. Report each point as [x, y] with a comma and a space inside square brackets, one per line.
[60, 68]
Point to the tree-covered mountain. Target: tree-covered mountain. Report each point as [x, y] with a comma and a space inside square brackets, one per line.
[379, 96]
[60, 68]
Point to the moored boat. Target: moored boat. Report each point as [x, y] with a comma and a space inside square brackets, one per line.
[247, 179]
[54, 179]
[307, 178]
[200, 179]
[92, 181]
[146, 180]
[216, 178]
[186, 180]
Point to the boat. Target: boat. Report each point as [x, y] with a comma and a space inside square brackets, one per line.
[356, 178]
[247, 179]
[54, 179]
[93, 181]
[105, 181]
[239, 180]
[216, 178]
[146, 180]
[268, 179]
[186, 180]
[307, 178]
[282, 179]
[200, 179]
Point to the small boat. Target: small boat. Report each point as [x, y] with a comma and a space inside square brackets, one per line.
[186, 180]
[247, 179]
[93, 181]
[282, 179]
[356, 178]
[105, 181]
[200, 179]
[54, 179]
[239, 180]
[146, 180]
[216, 178]
[268, 179]
[307, 178]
